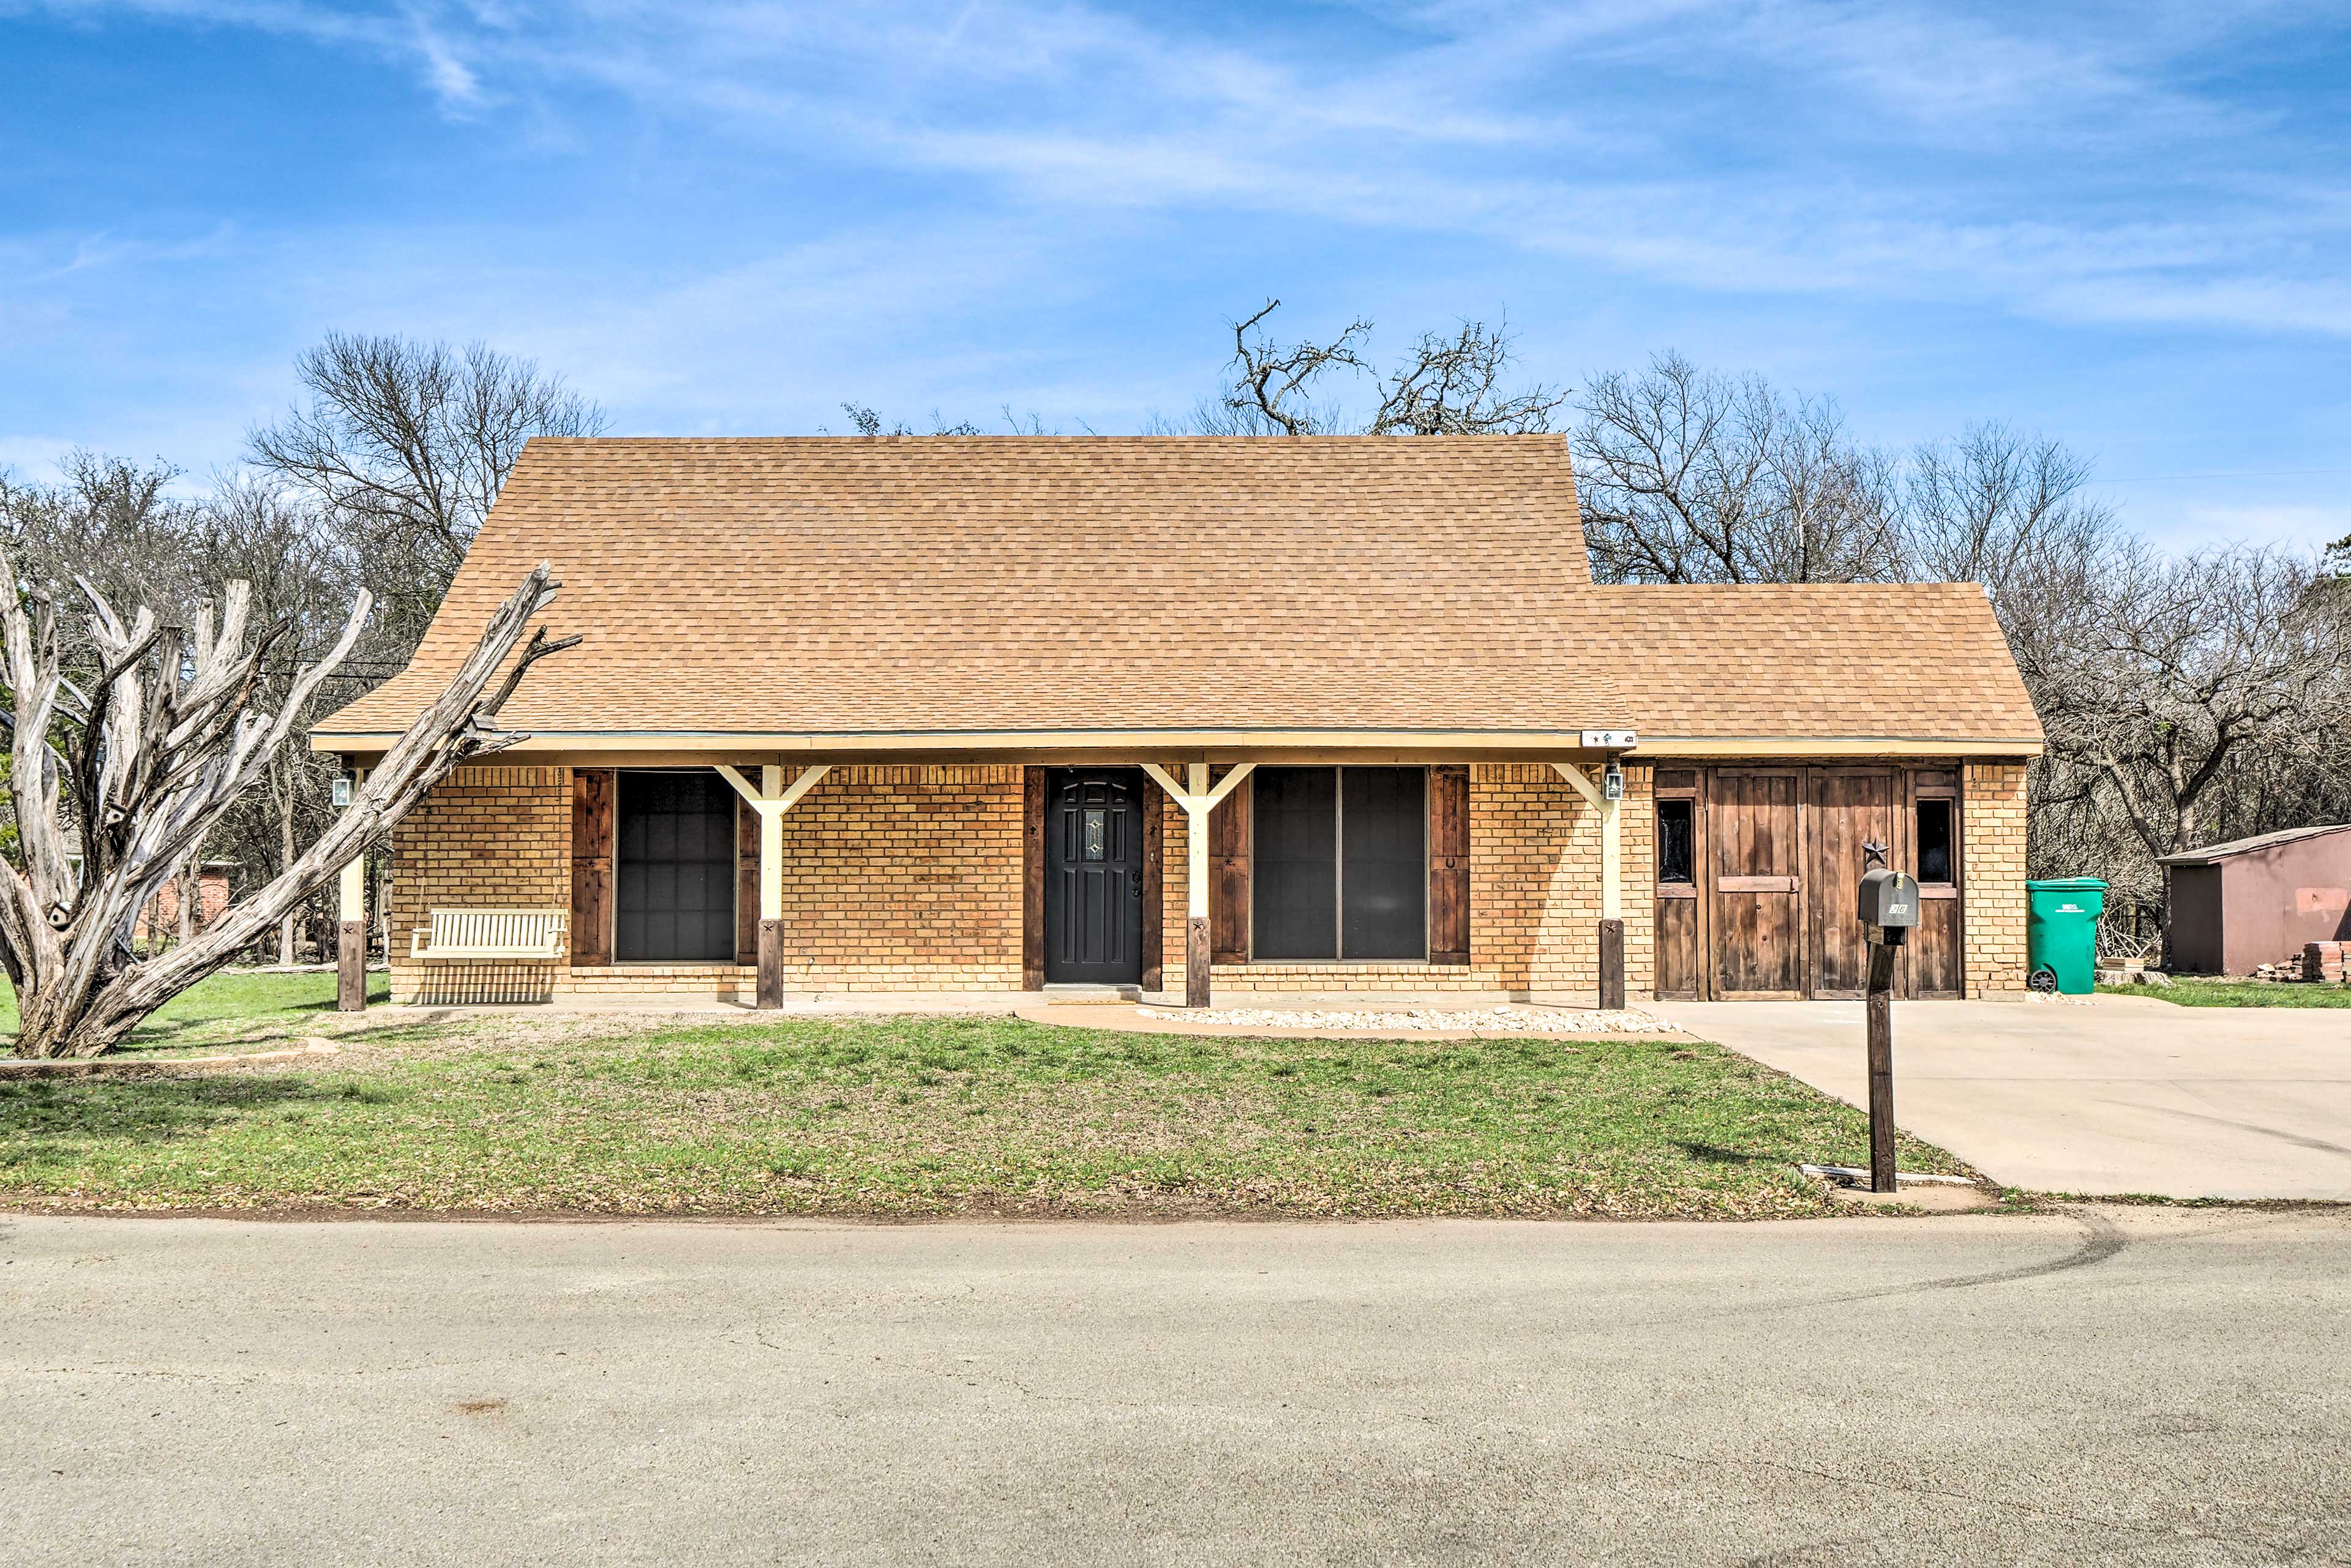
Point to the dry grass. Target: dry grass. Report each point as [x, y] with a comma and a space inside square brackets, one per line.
[920, 1117]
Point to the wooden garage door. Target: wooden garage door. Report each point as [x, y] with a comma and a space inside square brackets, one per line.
[1850, 808]
[1755, 856]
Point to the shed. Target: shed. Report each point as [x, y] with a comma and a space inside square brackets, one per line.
[2233, 907]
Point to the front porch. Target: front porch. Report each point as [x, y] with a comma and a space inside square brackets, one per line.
[900, 879]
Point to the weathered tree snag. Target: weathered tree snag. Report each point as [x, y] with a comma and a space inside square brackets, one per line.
[137, 771]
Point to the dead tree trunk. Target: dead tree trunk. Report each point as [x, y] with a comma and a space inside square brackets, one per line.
[284, 778]
[144, 767]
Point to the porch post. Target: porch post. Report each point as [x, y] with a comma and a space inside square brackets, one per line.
[1195, 925]
[771, 800]
[772, 893]
[1612, 906]
[351, 929]
[1198, 801]
[1612, 896]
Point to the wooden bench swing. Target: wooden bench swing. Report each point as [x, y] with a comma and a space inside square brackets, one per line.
[492, 936]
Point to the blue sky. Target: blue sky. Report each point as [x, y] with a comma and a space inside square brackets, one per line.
[2129, 226]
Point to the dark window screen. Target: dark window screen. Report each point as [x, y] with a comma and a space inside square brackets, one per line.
[673, 852]
[1934, 841]
[1294, 885]
[1383, 882]
[1676, 858]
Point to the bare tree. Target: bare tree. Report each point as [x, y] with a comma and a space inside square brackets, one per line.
[115, 781]
[2002, 509]
[867, 423]
[405, 445]
[2171, 671]
[1453, 386]
[1445, 384]
[1689, 477]
[252, 529]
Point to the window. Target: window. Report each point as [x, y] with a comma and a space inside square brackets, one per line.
[1934, 841]
[1340, 867]
[674, 860]
[1677, 841]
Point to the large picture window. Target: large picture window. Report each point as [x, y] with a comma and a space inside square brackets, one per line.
[674, 862]
[1340, 867]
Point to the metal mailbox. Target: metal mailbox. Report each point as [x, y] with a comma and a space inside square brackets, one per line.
[1888, 899]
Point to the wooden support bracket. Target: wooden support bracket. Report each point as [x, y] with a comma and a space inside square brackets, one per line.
[1197, 800]
[771, 800]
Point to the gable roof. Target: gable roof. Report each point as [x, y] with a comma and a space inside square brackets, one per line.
[963, 586]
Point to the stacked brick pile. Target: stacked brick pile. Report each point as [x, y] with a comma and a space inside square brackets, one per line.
[2324, 961]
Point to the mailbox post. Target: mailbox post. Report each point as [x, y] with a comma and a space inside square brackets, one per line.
[1889, 908]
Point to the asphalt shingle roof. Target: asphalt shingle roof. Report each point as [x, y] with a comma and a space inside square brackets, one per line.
[994, 584]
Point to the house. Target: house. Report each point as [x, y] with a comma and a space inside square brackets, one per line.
[161, 918]
[2229, 908]
[1320, 713]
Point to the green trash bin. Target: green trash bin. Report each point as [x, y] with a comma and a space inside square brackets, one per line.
[2061, 934]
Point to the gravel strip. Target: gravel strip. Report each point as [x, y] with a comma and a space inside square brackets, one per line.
[1497, 1020]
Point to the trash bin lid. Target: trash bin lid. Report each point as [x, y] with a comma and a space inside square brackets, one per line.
[2068, 884]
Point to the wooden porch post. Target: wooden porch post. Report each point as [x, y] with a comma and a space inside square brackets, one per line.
[771, 800]
[771, 893]
[1612, 895]
[350, 928]
[1196, 957]
[1199, 802]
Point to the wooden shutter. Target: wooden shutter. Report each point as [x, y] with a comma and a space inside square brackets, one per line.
[1032, 879]
[747, 882]
[1448, 865]
[591, 865]
[1228, 878]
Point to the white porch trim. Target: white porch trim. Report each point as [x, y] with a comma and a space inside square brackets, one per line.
[771, 800]
[1197, 801]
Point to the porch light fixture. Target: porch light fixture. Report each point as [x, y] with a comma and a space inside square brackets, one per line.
[342, 792]
[1611, 783]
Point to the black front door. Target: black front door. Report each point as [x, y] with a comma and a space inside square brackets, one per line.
[1093, 876]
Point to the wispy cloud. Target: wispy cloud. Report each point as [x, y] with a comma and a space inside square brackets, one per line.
[1574, 129]
[916, 202]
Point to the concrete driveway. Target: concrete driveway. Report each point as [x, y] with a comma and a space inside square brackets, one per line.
[2105, 1095]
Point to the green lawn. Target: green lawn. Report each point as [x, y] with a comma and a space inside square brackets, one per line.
[2207, 993]
[937, 1116]
[226, 1012]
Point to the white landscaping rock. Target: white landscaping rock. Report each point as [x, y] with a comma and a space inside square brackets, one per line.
[1502, 1020]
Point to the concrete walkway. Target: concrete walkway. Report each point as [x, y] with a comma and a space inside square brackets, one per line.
[2105, 1095]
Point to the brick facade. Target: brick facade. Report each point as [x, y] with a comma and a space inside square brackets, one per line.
[1992, 847]
[896, 878]
[487, 837]
[904, 879]
[908, 878]
[1534, 899]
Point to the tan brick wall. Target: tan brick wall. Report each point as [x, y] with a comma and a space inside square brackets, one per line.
[1534, 881]
[904, 879]
[908, 878]
[1534, 899]
[1991, 849]
[487, 838]
[895, 878]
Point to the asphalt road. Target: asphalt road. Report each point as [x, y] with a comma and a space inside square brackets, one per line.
[2122, 1385]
